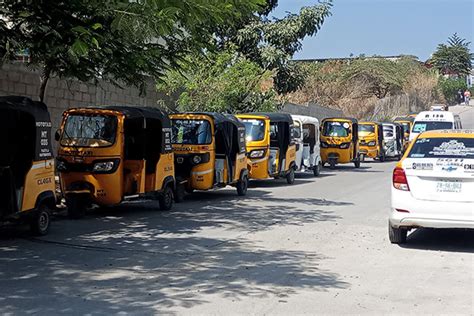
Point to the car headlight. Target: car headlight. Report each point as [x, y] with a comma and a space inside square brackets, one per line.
[197, 159]
[257, 153]
[61, 166]
[344, 145]
[324, 145]
[372, 143]
[104, 166]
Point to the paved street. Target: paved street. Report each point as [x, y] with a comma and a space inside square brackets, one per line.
[319, 246]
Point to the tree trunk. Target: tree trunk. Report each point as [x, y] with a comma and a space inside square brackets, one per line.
[44, 82]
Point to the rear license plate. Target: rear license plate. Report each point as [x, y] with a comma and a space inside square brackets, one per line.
[449, 186]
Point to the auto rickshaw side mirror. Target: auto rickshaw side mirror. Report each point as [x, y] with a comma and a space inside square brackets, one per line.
[57, 135]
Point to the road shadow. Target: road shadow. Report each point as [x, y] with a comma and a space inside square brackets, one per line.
[350, 168]
[305, 175]
[135, 259]
[452, 240]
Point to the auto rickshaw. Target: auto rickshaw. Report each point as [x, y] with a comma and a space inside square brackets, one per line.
[209, 152]
[371, 141]
[112, 154]
[306, 135]
[393, 140]
[407, 124]
[270, 145]
[27, 186]
[340, 141]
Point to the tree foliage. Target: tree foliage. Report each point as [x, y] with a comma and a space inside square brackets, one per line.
[220, 82]
[117, 40]
[454, 57]
[450, 88]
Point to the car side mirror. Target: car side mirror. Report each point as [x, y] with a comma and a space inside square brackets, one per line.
[57, 135]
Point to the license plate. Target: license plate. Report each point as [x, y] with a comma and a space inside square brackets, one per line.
[449, 186]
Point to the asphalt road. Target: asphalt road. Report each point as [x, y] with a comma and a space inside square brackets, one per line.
[319, 246]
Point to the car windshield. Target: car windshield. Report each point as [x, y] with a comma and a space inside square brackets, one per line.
[443, 148]
[89, 130]
[336, 129]
[420, 127]
[366, 128]
[191, 132]
[254, 129]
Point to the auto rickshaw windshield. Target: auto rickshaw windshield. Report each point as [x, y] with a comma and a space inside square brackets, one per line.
[336, 129]
[89, 130]
[254, 129]
[191, 132]
[369, 128]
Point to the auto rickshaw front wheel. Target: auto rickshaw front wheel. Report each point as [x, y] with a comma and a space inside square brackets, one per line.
[76, 206]
[290, 176]
[166, 199]
[242, 185]
[317, 169]
[332, 164]
[40, 221]
[357, 163]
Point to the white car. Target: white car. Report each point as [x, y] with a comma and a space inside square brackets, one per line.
[433, 185]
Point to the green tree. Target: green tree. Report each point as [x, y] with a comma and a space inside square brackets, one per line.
[450, 87]
[454, 57]
[220, 82]
[117, 40]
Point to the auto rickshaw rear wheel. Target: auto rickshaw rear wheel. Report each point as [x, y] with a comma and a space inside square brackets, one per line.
[290, 176]
[40, 221]
[76, 206]
[242, 185]
[317, 169]
[166, 199]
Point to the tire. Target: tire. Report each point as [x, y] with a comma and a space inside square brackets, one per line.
[40, 221]
[242, 185]
[382, 157]
[362, 157]
[290, 176]
[166, 199]
[357, 163]
[332, 164]
[317, 170]
[179, 193]
[397, 235]
[76, 207]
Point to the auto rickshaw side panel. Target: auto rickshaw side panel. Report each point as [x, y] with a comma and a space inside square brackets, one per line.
[164, 169]
[39, 179]
[290, 158]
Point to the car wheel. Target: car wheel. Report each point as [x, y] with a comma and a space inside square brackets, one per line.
[166, 199]
[290, 177]
[242, 186]
[76, 207]
[397, 235]
[40, 222]
[179, 193]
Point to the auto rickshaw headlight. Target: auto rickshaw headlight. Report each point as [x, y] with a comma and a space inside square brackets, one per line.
[372, 143]
[197, 159]
[257, 153]
[104, 166]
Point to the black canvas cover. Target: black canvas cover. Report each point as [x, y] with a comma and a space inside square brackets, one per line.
[16, 106]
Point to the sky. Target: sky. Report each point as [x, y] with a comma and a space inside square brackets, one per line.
[385, 27]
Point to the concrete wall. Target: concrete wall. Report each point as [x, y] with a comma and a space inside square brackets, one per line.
[311, 109]
[16, 79]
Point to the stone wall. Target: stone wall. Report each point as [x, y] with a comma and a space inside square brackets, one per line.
[397, 105]
[311, 109]
[16, 79]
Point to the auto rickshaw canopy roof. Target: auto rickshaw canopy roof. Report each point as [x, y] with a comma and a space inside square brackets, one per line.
[275, 117]
[304, 119]
[38, 112]
[351, 119]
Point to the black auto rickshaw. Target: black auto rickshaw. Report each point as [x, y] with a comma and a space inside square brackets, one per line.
[112, 154]
[27, 186]
[340, 141]
[209, 152]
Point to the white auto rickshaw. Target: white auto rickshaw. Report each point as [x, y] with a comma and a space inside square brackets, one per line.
[393, 140]
[306, 135]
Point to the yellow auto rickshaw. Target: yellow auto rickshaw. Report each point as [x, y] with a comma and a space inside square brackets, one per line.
[27, 186]
[111, 154]
[209, 152]
[407, 123]
[340, 141]
[371, 141]
[270, 145]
